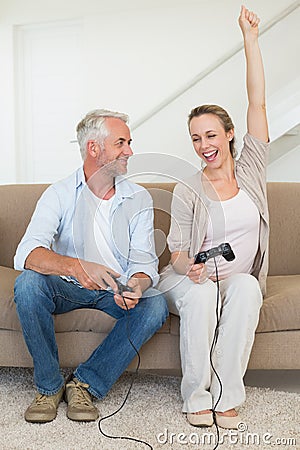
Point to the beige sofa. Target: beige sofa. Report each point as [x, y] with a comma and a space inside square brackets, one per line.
[277, 342]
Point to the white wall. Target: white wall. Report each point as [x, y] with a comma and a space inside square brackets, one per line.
[132, 56]
[286, 168]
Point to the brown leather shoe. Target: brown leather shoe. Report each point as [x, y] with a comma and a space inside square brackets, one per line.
[80, 404]
[44, 407]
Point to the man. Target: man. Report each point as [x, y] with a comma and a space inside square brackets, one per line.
[88, 230]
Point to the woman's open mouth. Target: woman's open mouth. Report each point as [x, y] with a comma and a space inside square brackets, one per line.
[210, 156]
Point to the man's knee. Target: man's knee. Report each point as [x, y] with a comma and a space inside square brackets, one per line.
[27, 286]
[155, 306]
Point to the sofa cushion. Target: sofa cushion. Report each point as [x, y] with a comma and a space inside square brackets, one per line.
[88, 320]
[84, 320]
[8, 316]
[79, 320]
[281, 306]
[280, 310]
[17, 203]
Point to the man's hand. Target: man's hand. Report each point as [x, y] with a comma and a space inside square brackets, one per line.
[197, 272]
[90, 275]
[131, 298]
[94, 276]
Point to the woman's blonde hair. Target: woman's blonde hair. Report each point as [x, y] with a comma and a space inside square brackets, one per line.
[223, 117]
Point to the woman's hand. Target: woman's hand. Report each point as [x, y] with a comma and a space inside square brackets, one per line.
[197, 272]
[248, 22]
[257, 124]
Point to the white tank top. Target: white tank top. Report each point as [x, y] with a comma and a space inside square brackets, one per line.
[235, 221]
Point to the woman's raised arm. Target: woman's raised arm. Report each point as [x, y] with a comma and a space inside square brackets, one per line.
[257, 124]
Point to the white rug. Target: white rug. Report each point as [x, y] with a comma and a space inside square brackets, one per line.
[152, 414]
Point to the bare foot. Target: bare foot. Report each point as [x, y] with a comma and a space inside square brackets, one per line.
[228, 413]
[204, 411]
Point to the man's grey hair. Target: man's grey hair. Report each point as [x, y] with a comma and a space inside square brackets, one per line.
[92, 127]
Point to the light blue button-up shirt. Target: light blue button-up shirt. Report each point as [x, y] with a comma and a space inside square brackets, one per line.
[52, 225]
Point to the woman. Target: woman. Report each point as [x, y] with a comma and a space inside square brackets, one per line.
[225, 202]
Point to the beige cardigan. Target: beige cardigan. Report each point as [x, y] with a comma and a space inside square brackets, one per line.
[189, 217]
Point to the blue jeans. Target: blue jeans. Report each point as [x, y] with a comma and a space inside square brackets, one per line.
[39, 296]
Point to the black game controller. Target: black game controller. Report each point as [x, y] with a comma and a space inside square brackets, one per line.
[121, 287]
[222, 249]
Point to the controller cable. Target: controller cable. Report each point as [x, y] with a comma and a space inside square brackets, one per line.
[128, 392]
[214, 342]
[213, 345]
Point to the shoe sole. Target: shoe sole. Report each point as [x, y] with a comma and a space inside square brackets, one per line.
[39, 419]
[82, 417]
[201, 425]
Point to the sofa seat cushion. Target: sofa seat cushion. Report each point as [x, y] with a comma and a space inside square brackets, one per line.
[79, 320]
[88, 320]
[280, 310]
[8, 315]
[281, 306]
[84, 320]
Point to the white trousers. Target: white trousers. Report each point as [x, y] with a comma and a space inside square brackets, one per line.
[240, 302]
